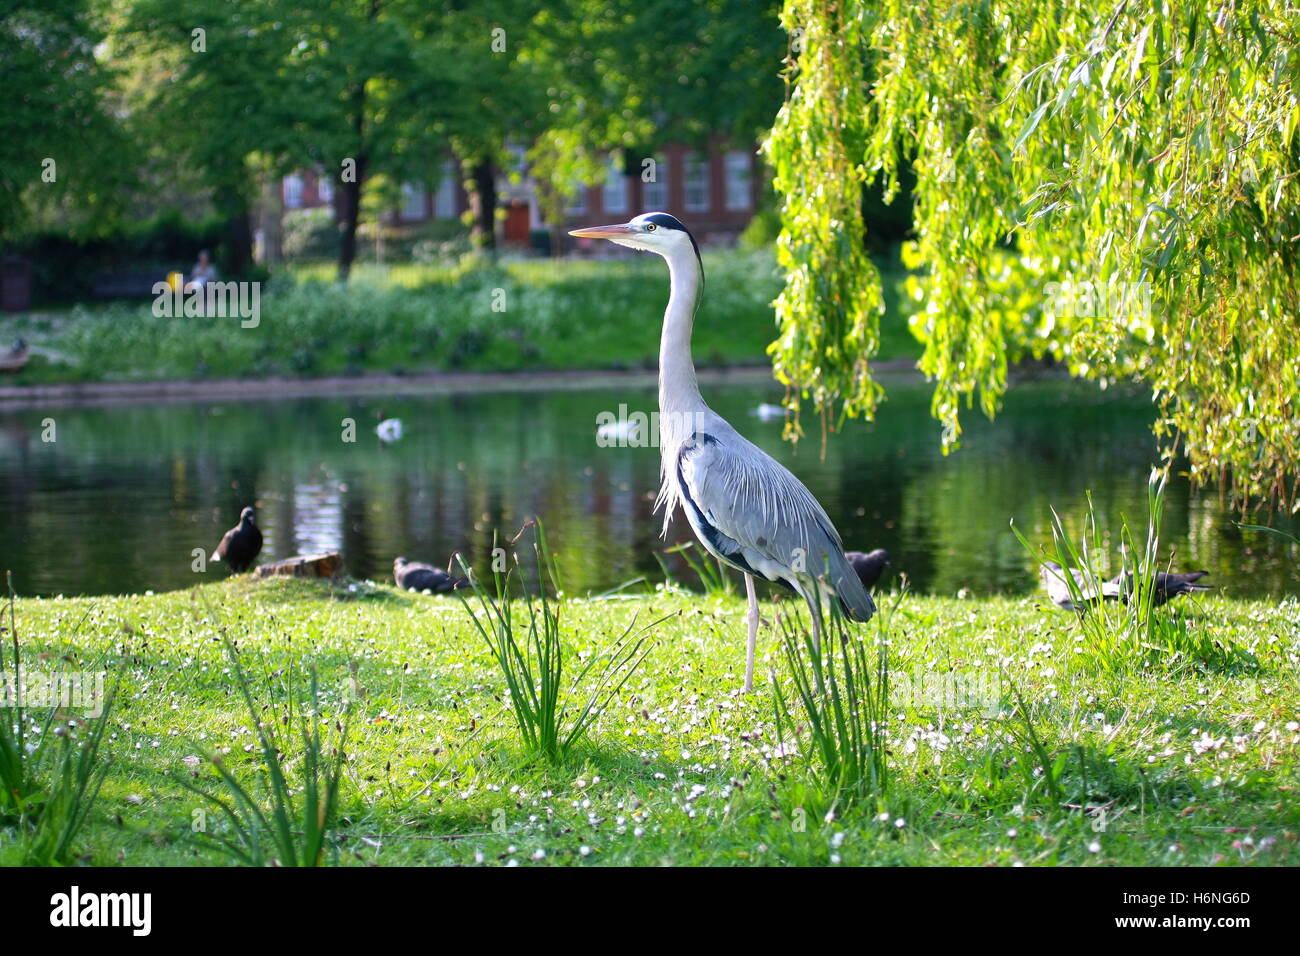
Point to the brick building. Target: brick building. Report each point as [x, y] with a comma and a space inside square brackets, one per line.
[715, 192]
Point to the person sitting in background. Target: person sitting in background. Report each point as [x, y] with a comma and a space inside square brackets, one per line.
[202, 273]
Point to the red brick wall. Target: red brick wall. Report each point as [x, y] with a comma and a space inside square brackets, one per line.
[715, 223]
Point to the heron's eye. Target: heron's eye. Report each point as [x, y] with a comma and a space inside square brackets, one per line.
[650, 227]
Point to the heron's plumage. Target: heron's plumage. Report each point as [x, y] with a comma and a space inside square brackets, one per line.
[667, 221]
[733, 493]
[769, 522]
[744, 506]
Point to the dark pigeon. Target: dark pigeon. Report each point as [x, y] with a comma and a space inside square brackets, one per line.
[869, 566]
[241, 545]
[1169, 585]
[1119, 588]
[414, 576]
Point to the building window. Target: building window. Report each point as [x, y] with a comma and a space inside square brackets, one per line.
[520, 157]
[738, 192]
[412, 201]
[697, 183]
[324, 188]
[654, 190]
[613, 195]
[577, 204]
[444, 200]
[293, 191]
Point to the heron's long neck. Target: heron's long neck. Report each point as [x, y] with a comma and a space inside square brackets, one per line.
[679, 392]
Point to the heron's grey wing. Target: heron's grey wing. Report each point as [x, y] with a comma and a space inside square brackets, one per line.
[756, 514]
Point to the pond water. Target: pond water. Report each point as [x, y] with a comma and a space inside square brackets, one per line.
[124, 494]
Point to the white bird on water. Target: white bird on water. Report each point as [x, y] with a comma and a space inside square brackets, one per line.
[745, 507]
[389, 430]
[629, 431]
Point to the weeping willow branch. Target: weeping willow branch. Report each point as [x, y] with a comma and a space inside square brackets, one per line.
[1116, 185]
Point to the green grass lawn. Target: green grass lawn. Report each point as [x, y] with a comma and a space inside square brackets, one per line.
[514, 315]
[1192, 761]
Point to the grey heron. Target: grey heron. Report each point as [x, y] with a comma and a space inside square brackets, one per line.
[415, 576]
[745, 507]
[240, 545]
[870, 566]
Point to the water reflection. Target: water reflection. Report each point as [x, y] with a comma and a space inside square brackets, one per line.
[119, 501]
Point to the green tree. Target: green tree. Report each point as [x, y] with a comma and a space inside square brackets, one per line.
[1115, 184]
[381, 91]
[356, 86]
[629, 76]
[60, 148]
[496, 98]
[210, 86]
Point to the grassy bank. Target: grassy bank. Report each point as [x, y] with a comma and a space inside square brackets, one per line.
[526, 314]
[1151, 757]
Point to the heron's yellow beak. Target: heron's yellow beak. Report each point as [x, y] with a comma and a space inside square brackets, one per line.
[604, 232]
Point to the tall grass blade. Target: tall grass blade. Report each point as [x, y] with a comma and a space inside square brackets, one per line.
[839, 709]
[551, 711]
[49, 783]
[293, 827]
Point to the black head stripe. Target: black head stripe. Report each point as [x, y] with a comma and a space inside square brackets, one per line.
[665, 221]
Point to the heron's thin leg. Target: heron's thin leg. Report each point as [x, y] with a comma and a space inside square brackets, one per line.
[815, 612]
[752, 620]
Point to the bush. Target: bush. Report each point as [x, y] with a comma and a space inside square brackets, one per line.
[64, 268]
[314, 234]
[762, 229]
[310, 234]
[422, 317]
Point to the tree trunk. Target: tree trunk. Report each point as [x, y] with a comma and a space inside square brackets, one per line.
[483, 205]
[352, 190]
[326, 564]
[234, 206]
[271, 221]
[351, 209]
